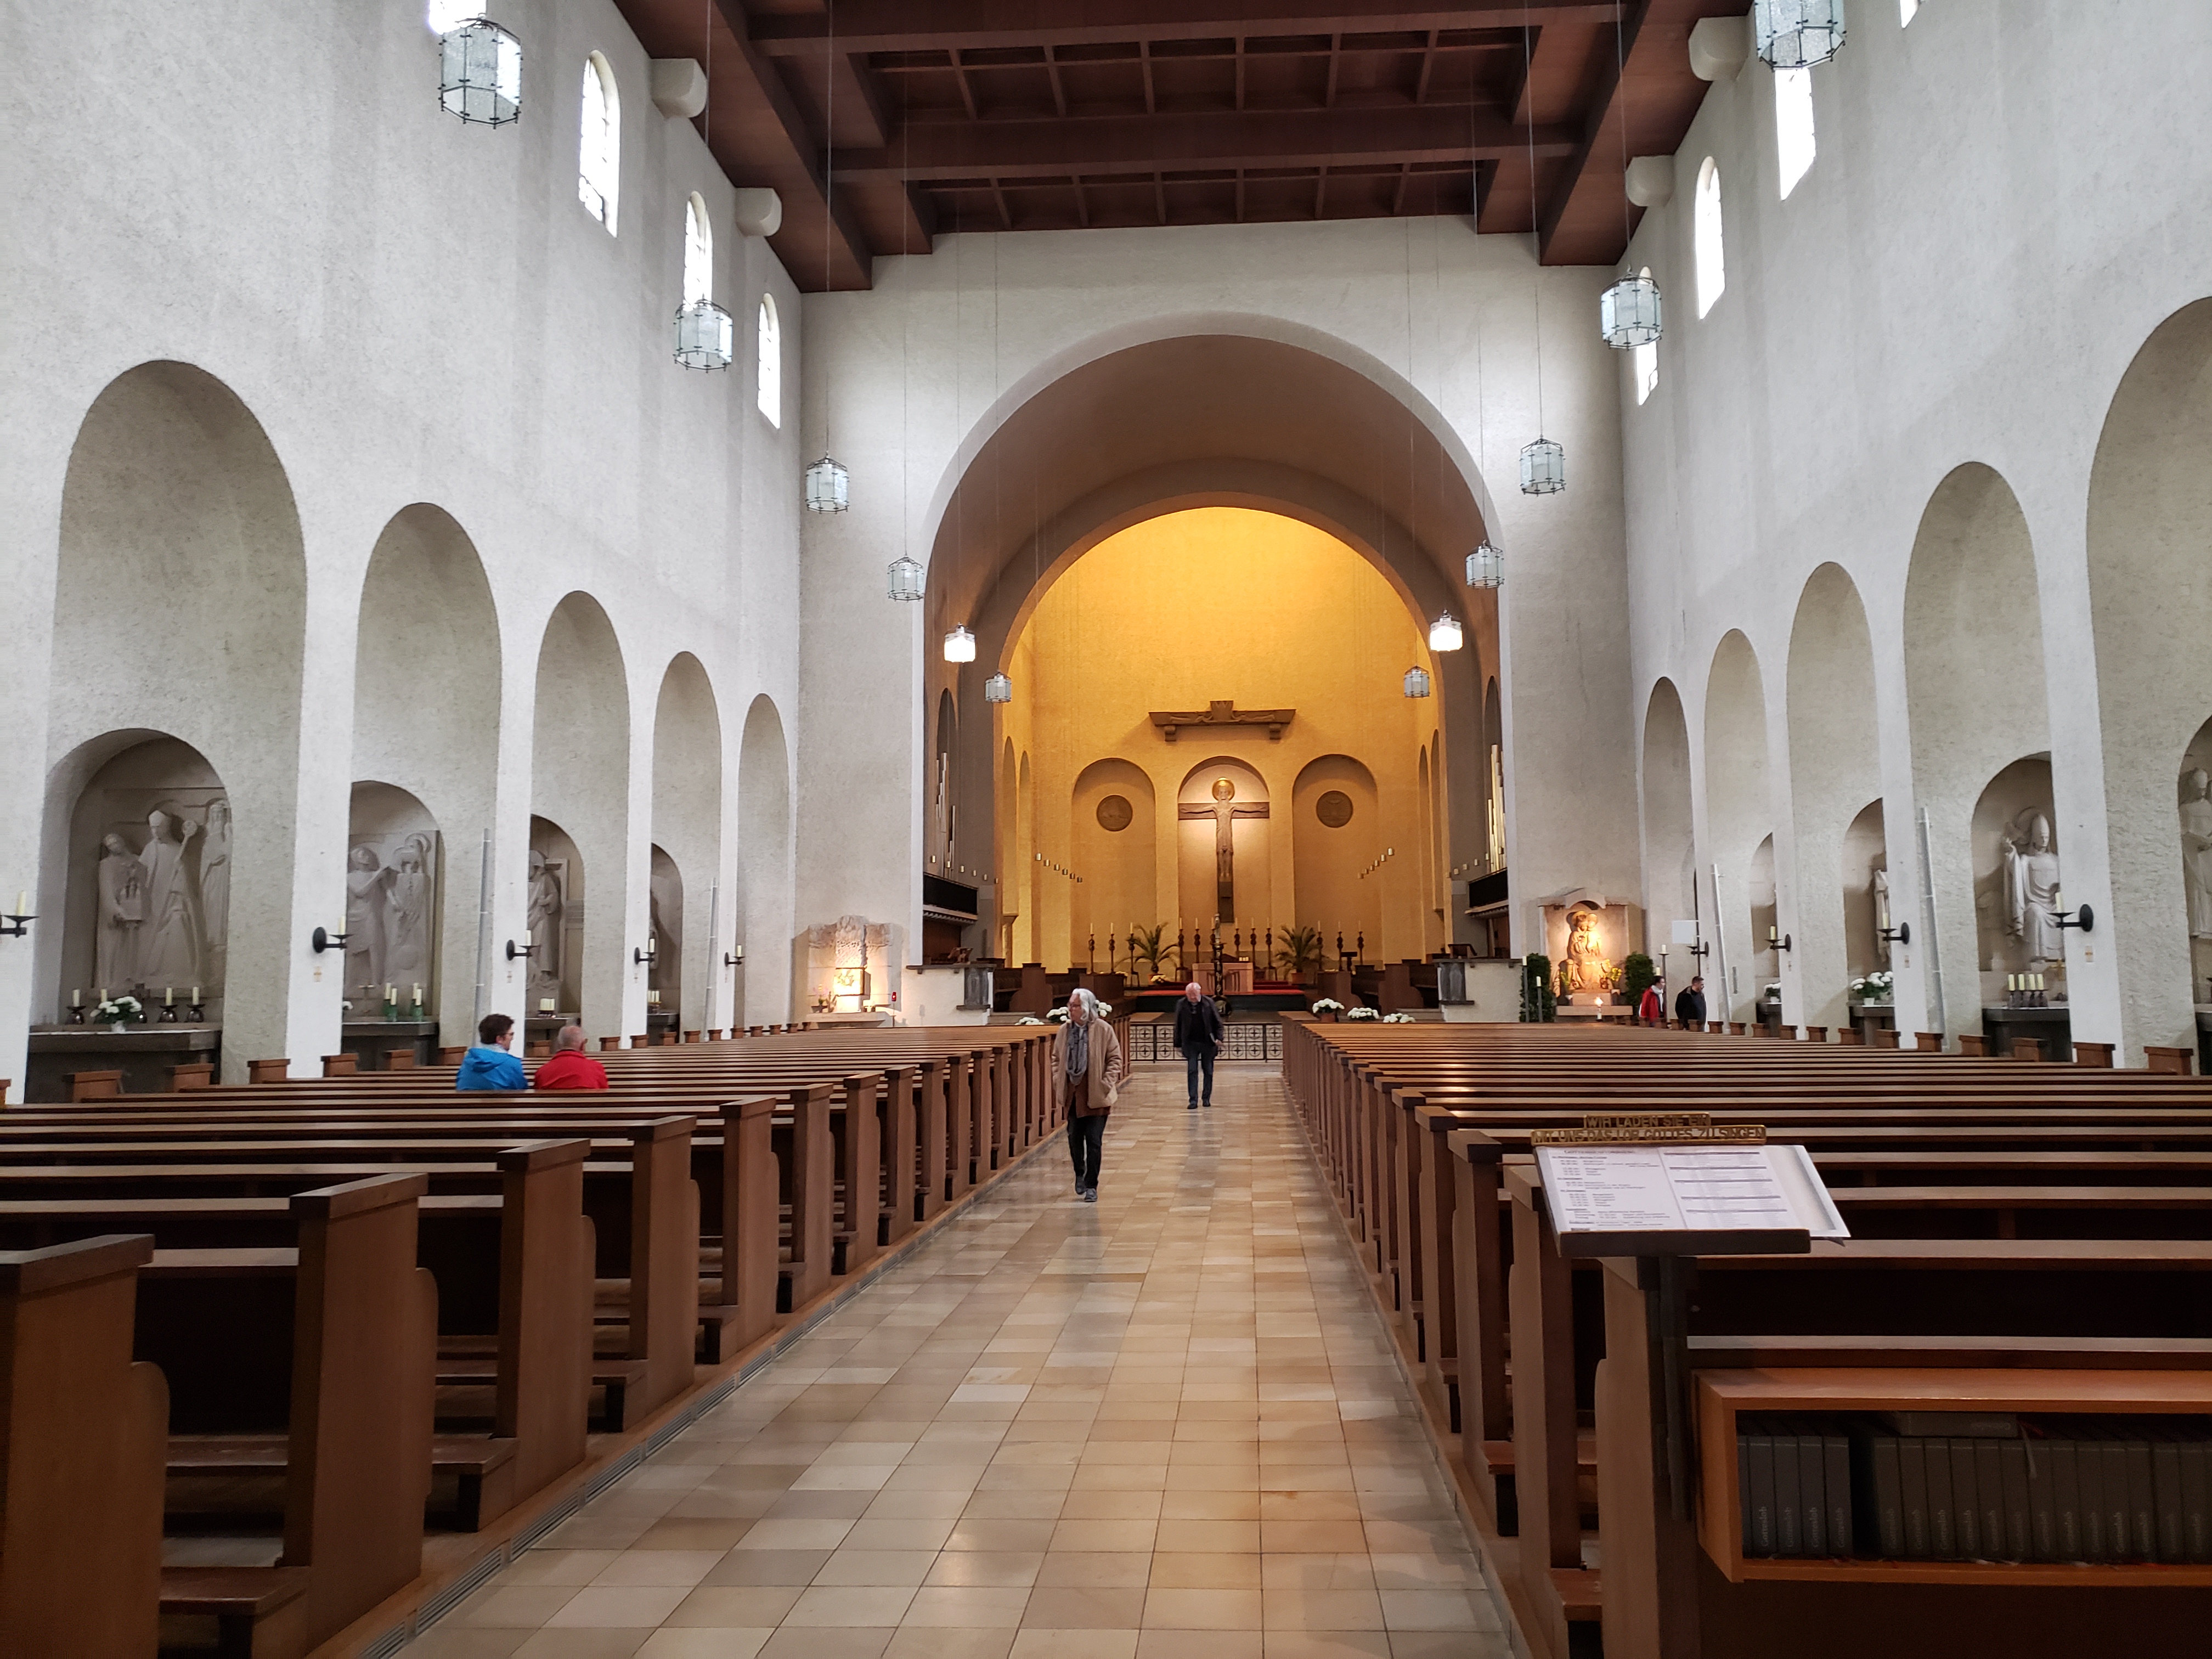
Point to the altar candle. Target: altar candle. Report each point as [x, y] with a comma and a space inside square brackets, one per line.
[418, 996]
[77, 998]
[168, 996]
[196, 996]
[100, 995]
[526, 939]
[22, 903]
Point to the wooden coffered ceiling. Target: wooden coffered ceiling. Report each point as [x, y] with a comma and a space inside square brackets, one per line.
[931, 116]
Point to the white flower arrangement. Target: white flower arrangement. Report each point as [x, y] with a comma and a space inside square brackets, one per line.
[118, 1011]
[1329, 1005]
[1398, 1019]
[1771, 992]
[1362, 1013]
[1057, 1016]
[1874, 988]
[1028, 1020]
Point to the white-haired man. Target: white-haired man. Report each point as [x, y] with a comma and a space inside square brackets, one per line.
[1086, 1080]
[1198, 1039]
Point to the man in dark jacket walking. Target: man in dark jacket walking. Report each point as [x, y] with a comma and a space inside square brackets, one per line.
[1198, 1036]
[1690, 1006]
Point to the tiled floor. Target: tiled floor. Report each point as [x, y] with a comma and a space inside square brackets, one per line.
[1163, 1427]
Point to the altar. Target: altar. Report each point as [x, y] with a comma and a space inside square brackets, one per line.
[1236, 979]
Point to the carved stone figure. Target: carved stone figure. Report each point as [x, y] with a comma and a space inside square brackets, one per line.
[2196, 849]
[407, 931]
[2031, 893]
[1881, 922]
[1588, 967]
[171, 941]
[215, 886]
[546, 918]
[367, 880]
[122, 915]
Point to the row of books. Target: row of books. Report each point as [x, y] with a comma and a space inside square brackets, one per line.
[1985, 1486]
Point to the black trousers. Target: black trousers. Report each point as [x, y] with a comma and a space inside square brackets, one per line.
[1195, 1060]
[1086, 1138]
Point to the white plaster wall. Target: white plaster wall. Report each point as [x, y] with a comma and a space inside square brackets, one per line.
[413, 311]
[907, 380]
[2009, 197]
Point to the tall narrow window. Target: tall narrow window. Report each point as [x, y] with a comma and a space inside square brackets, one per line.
[1644, 361]
[444, 16]
[1907, 9]
[598, 165]
[771, 363]
[698, 253]
[1712, 270]
[1794, 138]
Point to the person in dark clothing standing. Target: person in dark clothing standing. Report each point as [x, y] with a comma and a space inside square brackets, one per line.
[1690, 1006]
[1198, 1039]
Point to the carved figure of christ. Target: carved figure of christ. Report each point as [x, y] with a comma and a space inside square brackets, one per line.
[1225, 811]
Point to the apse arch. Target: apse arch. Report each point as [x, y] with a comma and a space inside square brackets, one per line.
[765, 828]
[1114, 846]
[580, 779]
[1977, 701]
[1670, 852]
[1835, 768]
[687, 831]
[1329, 851]
[2149, 518]
[1739, 815]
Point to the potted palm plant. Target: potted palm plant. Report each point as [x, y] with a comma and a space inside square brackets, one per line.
[1299, 952]
[1151, 947]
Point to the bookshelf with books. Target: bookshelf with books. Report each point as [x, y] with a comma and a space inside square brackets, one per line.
[2085, 1478]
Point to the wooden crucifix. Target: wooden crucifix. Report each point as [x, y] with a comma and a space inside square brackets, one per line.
[1224, 810]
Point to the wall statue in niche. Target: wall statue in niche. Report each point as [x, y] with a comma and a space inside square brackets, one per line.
[2031, 892]
[2196, 849]
[848, 965]
[153, 928]
[390, 893]
[547, 918]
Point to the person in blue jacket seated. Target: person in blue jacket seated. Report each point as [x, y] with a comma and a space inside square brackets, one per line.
[489, 1065]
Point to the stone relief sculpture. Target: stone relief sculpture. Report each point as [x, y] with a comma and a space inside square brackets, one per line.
[1882, 921]
[171, 932]
[848, 963]
[2031, 892]
[1588, 967]
[366, 878]
[407, 931]
[2196, 849]
[547, 915]
[215, 886]
[122, 913]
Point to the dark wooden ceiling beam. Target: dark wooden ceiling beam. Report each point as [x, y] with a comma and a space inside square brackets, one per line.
[968, 25]
[1173, 143]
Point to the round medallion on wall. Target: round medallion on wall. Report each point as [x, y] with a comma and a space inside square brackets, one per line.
[1333, 809]
[1114, 813]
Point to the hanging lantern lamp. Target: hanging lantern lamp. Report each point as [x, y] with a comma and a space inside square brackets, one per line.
[706, 336]
[1485, 567]
[959, 644]
[1543, 469]
[480, 73]
[1629, 314]
[1445, 633]
[1797, 34]
[998, 689]
[1417, 681]
[904, 580]
[828, 487]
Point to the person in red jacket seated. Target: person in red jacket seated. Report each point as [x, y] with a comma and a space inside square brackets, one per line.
[570, 1067]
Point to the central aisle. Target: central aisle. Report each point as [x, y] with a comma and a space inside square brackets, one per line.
[1167, 1426]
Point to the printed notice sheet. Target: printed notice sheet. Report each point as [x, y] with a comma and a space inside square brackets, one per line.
[1649, 1189]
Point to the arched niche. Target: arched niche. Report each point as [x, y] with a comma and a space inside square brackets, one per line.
[555, 915]
[1670, 853]
[395, 866]
[180, 608]
[426, 723]
[1028, 874]
[1222, 844]
[1974, 688]
[2018, 859]
[1864, 885]
[146, 876]
[1739, 815]
[580, 779]
[944, 805]
[1007, 855]
[764, 867]
[1762, 895]
[1835, 767]
[687, 832]
[1331, 845]
[1114, 828]
[2150, 601]
[663, 977]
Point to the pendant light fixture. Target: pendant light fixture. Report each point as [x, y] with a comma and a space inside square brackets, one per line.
[1630, 314]
[1797, 34]
[998, 689]
[828, 486]
[1445, 633]
[1417, 681]
[960, 646]
[706, 336]
[480, 73]
[1543, 469]
[903, 581]
[1486, 567]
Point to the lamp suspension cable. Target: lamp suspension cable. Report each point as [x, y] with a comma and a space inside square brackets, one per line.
[828, 486]
[1629, 312]
[1485, 565]
[1543, 463]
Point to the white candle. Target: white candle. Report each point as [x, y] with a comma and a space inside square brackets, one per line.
[196, 996]
[22, 903]
[168, 996]
[418, 996]
[100, 995]
[387, 993]
[77, 998]
[526, 939]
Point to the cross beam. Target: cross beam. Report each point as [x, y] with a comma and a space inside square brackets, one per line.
[1222, 712]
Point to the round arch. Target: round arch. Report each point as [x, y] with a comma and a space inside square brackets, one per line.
[764, 871]
[1835, 770]
[580, 781]
[687, 832]
[1738, 818]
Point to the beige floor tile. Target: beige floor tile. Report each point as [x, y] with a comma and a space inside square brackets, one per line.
[545, 1566]
[1210, 1506]
[1322, 1609]
[1218, 1536]
[582, 1644]
[1452, 1609]
[988, 1569]
[867, 1605]
[859, 1566]
[1085, 1608]
[735, 1607]
[1094, 1570]
[1206, 1569]
[1332, 1537]
[966, 1607]
[451, 1641]
[1157, 1643]
[1034, 1643]
[1326, 1644]
[516, 1606]
[794, 1535]
[948, 1642]
[1203, 1609]
[682, 1567]
[812, 1642]
[601, 1607]
[1121, 1535]
[1110, 1504]
[669, 1643]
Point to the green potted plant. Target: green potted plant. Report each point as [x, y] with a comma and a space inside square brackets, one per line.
[1299, 952]
[1637, 971]
[1538, 1005]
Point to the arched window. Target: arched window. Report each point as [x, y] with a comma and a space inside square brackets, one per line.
[1644, 360]
[771, 363]
[1794, 144]
[598, 165]
[698, 253]
[444, 16]
[1907, 9]
[1712, 269]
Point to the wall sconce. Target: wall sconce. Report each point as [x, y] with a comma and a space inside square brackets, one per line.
[525, 949]
[1700, 950]
[1900, 934]
[2084, 918]
[734, 958]
[13, 925]
[322, 939]
[650, 953]
[1776, 942]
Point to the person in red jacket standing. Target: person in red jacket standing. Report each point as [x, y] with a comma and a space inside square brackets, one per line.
[570, 1067]
[1651, 1009]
